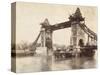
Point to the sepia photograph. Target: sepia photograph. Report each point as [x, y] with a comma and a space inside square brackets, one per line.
[53, 37]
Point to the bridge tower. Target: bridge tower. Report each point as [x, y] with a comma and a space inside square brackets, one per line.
[46, 40]
[77, 34]
[46, 36]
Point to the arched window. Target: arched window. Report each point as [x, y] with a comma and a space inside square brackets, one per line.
[81, 43]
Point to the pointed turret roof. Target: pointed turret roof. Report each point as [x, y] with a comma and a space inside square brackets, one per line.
[45, 23]
[77, 16]
[78, 13]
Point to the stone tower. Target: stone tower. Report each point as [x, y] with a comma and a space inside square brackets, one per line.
[46, 36]
[77, 34]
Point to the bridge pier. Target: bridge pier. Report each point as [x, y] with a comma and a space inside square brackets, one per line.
[77, 37]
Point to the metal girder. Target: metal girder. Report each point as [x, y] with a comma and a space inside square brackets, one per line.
[60, 25]
[88, 31]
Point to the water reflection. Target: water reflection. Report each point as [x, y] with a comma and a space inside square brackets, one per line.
[43, 63]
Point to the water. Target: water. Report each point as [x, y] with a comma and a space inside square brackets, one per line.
[39, 63]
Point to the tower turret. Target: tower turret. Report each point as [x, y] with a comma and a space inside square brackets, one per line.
[77, 16]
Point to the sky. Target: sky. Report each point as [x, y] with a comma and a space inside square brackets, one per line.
[30, 15]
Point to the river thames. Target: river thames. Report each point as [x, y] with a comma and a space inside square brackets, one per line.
[40, 63]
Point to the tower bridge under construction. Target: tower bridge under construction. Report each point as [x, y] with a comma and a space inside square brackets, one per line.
[78, 30]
